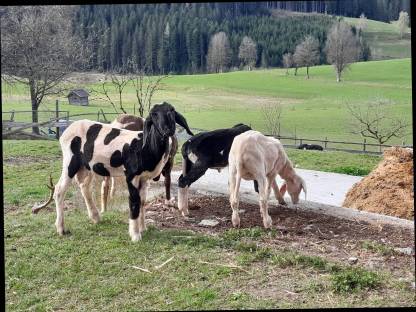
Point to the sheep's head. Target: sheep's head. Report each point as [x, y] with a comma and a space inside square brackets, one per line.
[293, 187]
[163, 118]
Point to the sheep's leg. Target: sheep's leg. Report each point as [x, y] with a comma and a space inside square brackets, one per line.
[59, 195]
[143, 194]
[113, 187]
[134, 203]
[166, 173]
[183, 200]
[197, 171]
[264, 191]
[277, 193]
[84, 179]
[105, 185]
[234, 184]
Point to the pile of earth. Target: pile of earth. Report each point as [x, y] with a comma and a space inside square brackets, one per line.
[388, 189]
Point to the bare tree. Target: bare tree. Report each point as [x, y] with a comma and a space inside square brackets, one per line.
[248, 52]
[145, 85]
[113, 82]
[362, 22]
[39, 49]
[372, 120]
[403, 23]
[342, 47]
[272, 113]
[287, 61]
[307, 53]
[218, 57]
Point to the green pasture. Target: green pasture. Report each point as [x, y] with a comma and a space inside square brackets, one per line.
[93, 268]
[312, 108]
[384, 39]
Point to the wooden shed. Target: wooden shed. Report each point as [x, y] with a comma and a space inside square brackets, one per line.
[78, 97]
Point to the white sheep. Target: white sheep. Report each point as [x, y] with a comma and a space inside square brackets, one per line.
[254, 156]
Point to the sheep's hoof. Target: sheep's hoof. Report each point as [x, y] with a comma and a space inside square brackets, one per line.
[95, 218]
[62, 232]
[185, 213]
[136, 237]
[170, 202]
[267, 222]
[235, 220]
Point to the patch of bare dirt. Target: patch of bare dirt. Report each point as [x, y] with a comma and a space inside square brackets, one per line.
[388, 189]
[303, 231]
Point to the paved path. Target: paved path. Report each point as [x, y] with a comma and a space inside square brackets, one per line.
[322, 187]
[326, 192]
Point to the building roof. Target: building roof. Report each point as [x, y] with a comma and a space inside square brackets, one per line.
[79, 92]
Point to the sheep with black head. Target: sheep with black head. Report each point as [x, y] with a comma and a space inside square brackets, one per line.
[203, 151]
[138, 155]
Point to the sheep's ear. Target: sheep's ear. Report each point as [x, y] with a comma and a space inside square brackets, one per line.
[283, 189]
[146, 130]
[180, 120]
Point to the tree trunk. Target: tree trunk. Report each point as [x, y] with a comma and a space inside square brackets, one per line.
[296, 70]
[35, 105]
[338, 76]
[307, 72]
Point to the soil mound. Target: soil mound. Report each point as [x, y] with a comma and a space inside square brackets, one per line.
[388, 189]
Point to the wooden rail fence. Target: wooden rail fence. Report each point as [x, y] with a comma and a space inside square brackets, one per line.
[63, 119]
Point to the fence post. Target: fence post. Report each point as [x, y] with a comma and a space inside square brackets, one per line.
[403, 143]
[364, 144]
[98, 116]
[57, 118]
[326, 141]
[300, 142]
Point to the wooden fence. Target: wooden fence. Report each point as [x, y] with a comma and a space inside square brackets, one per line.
[62, 119]
[352, 147]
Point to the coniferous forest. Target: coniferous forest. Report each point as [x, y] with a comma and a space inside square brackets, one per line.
[174, 38]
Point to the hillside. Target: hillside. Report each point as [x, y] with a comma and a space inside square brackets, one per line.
[384, 39]
[312, 108]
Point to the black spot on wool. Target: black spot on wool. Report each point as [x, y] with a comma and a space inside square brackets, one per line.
[100, 169]
[116, 159]
[92, 135]
[76, 160]
[111, 135]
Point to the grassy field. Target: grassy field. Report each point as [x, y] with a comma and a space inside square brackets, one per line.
[92, 269]
[313, 108]
[384, 39]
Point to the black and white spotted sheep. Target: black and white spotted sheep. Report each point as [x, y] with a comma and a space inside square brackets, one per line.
[138, 155]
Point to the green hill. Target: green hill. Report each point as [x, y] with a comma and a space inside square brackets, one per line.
[384, 39]
[312, 108]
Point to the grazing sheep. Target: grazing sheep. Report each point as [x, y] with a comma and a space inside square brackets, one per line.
[138, 155]
[202, 151]
[135, 123]
[254, 156]
[311, 147]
